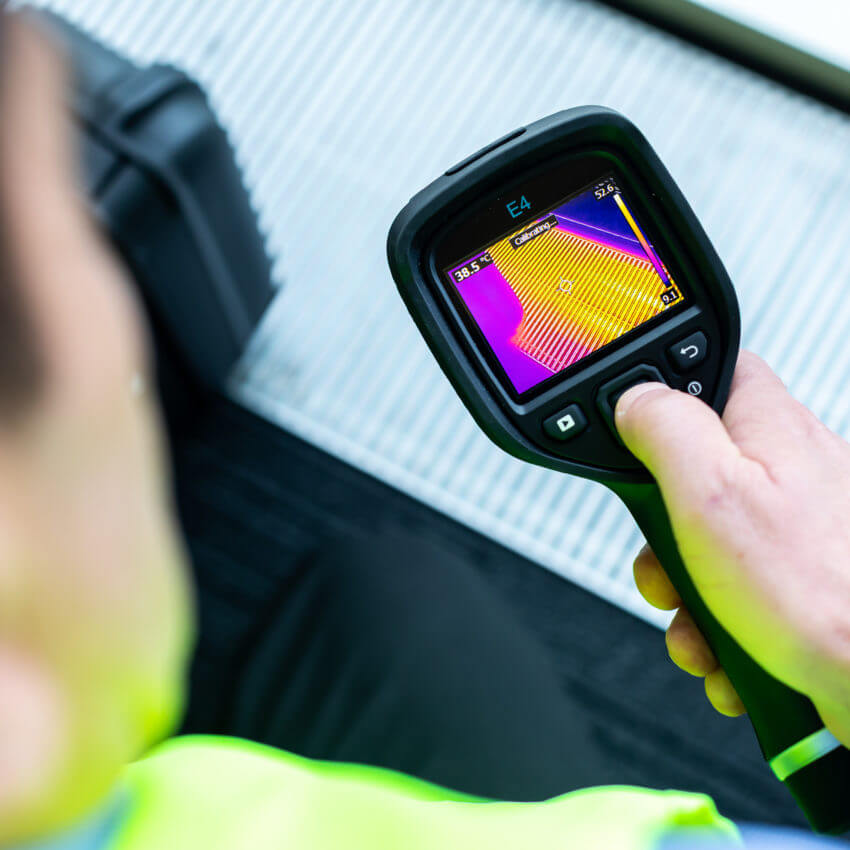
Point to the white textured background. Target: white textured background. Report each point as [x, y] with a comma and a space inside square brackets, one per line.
[818, 26]
[342, 109]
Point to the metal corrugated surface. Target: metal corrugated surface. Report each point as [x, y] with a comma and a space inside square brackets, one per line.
[341, 109]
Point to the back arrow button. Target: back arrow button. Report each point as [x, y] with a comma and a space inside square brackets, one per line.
[688, 353]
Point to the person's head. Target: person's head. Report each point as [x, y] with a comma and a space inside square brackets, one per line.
[94, 612]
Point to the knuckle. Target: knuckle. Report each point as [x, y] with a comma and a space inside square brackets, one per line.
[715, 491]
[751, 366]
[752, 376]
[681, 634]
[812, 430]
[749, 362]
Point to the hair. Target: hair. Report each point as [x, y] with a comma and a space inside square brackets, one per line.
[21, 366]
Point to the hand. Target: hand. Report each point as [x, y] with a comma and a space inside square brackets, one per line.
[759, 501]
[94, 613]
[687, 647]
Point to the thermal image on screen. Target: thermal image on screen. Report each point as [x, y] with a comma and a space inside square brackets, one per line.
[565, 285]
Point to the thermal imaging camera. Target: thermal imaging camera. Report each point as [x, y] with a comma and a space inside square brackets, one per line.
[548, 273]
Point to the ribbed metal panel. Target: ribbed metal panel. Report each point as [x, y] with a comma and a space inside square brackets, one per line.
[341, 109]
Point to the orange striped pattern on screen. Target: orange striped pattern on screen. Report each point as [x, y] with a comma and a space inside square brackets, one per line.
[576, 294]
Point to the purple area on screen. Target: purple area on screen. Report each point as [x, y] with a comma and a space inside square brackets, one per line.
[629, 245]
[497, 313]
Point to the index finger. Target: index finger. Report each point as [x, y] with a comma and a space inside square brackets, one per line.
[653, 583]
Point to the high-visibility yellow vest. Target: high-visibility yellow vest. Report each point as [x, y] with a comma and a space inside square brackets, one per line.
[206, 793]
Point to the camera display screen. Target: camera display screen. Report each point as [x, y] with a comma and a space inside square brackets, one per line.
[572, 281]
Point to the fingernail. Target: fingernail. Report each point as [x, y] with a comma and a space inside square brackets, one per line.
[632, 394]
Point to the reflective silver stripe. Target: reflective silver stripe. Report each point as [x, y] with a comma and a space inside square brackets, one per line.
[804, 752]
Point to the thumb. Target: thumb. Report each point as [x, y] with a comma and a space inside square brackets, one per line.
[679, 439]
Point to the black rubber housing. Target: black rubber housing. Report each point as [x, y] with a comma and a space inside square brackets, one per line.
[821, 791]
[429, 215]
[780, 716]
